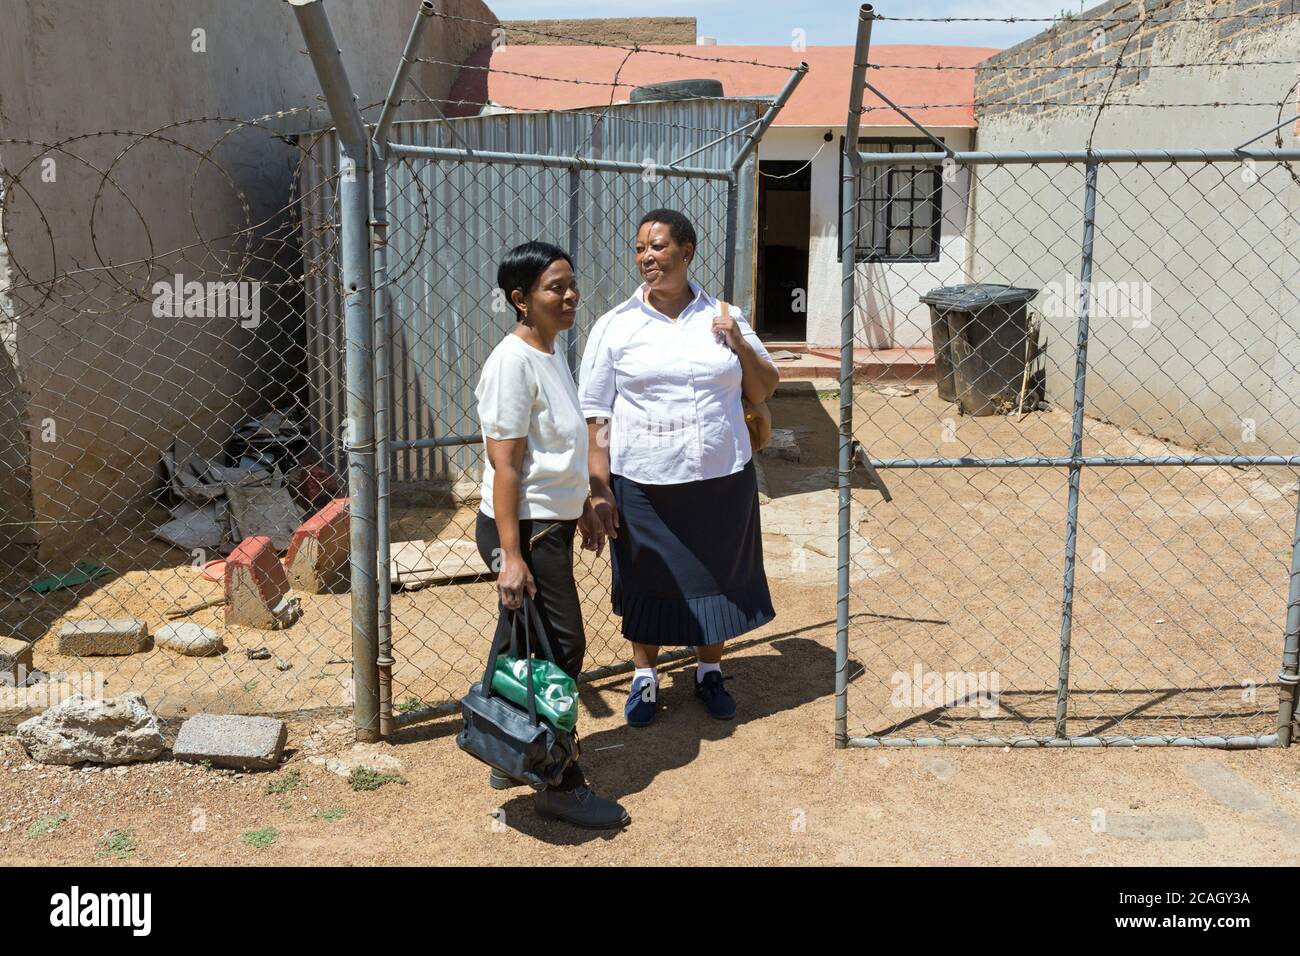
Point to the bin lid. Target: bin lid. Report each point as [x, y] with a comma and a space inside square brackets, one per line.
[977, 295]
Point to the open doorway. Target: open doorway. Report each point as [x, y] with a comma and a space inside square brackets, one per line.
[784, 197]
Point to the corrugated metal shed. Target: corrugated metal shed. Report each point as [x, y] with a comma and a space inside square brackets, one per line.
[449, 224]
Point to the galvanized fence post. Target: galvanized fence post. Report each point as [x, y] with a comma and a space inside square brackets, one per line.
[848, 266]
[354, 208]
[1076, 445]
[575, 218]
[383, 368]
[383, 300]
[1290, 674]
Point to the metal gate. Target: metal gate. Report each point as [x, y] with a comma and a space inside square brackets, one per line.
[1093, 548]
[422, 225]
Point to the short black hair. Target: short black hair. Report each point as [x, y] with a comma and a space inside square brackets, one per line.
[523, 265]
[679, 227]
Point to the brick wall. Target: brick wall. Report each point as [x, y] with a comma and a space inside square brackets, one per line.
[1073, 62]
[657, 31]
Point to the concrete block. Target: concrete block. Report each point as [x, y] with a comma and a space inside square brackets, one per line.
[97, 637]
[14, 656]
[231, 740]
[317, 561]
[257, 589]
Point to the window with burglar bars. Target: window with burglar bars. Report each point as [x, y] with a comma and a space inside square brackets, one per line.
[899, 207]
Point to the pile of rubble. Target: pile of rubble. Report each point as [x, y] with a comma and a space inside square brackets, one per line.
[257, 594]
[261, 487]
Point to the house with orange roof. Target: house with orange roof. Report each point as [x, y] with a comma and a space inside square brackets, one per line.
[912, 219]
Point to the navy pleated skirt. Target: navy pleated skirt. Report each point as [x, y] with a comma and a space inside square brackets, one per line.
[688, 560]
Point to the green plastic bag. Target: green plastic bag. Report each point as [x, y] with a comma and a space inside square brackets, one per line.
[556, 692]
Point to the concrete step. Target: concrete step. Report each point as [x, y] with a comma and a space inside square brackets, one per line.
[872, 365]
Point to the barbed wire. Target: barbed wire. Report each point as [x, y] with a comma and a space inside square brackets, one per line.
[997, 67]
[1281, 107]
[983, 104]
[526, 76]
[1080, 18]
[591, 133]
[230, 261]
[570, 112]
[1105, 96]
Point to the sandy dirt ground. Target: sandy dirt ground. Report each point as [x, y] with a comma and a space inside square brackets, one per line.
[764, 789]
[1178, 626]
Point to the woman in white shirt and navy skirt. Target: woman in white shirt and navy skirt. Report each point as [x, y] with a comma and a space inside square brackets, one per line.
[535, 487]
[672, 477]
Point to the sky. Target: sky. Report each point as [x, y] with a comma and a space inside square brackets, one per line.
[825, 22]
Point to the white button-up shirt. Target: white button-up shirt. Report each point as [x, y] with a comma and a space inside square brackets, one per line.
[671, 390]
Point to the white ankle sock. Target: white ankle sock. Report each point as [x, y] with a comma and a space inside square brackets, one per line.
[703, 668]
[645, 672]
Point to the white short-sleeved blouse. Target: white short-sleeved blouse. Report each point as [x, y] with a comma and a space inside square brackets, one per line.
[526, 393]
[671, 390]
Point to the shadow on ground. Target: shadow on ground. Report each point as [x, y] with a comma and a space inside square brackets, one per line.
[794, 671]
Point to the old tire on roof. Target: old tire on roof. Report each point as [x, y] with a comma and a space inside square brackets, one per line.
[676, 90]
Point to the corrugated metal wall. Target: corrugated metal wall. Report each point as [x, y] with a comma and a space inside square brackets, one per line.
[449, 224]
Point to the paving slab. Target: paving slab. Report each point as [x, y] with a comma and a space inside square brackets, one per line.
[232, 740]
[100, 637]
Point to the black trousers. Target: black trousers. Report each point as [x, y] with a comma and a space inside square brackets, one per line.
[547, 547]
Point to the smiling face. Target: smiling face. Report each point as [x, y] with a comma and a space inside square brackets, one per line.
[662, 262]
[552, 303]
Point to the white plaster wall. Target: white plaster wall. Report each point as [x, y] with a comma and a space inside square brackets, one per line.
[1214, 248]
[888, 314]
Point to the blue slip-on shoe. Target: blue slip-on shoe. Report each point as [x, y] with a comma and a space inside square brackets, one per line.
[642, 703]
[720, 704]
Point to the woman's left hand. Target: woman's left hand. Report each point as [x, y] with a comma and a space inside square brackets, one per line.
[592, 531]
[727, 331]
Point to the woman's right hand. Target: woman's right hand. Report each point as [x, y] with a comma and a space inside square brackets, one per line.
[513, 579]
[606, 510]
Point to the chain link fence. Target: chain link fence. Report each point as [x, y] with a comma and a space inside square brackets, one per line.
[447, 315]
[193, 361]
[154, 413]
[1079, 527]
[1092, 505]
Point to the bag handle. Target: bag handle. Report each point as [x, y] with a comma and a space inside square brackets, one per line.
[532, 617]
[530, 607]
[745, 404]
[528, 657]
[485, 688]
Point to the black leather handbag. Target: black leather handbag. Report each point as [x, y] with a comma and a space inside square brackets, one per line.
[515, 740]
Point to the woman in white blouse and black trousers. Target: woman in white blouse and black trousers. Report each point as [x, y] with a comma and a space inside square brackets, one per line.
[671, 469]
[535, 488]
